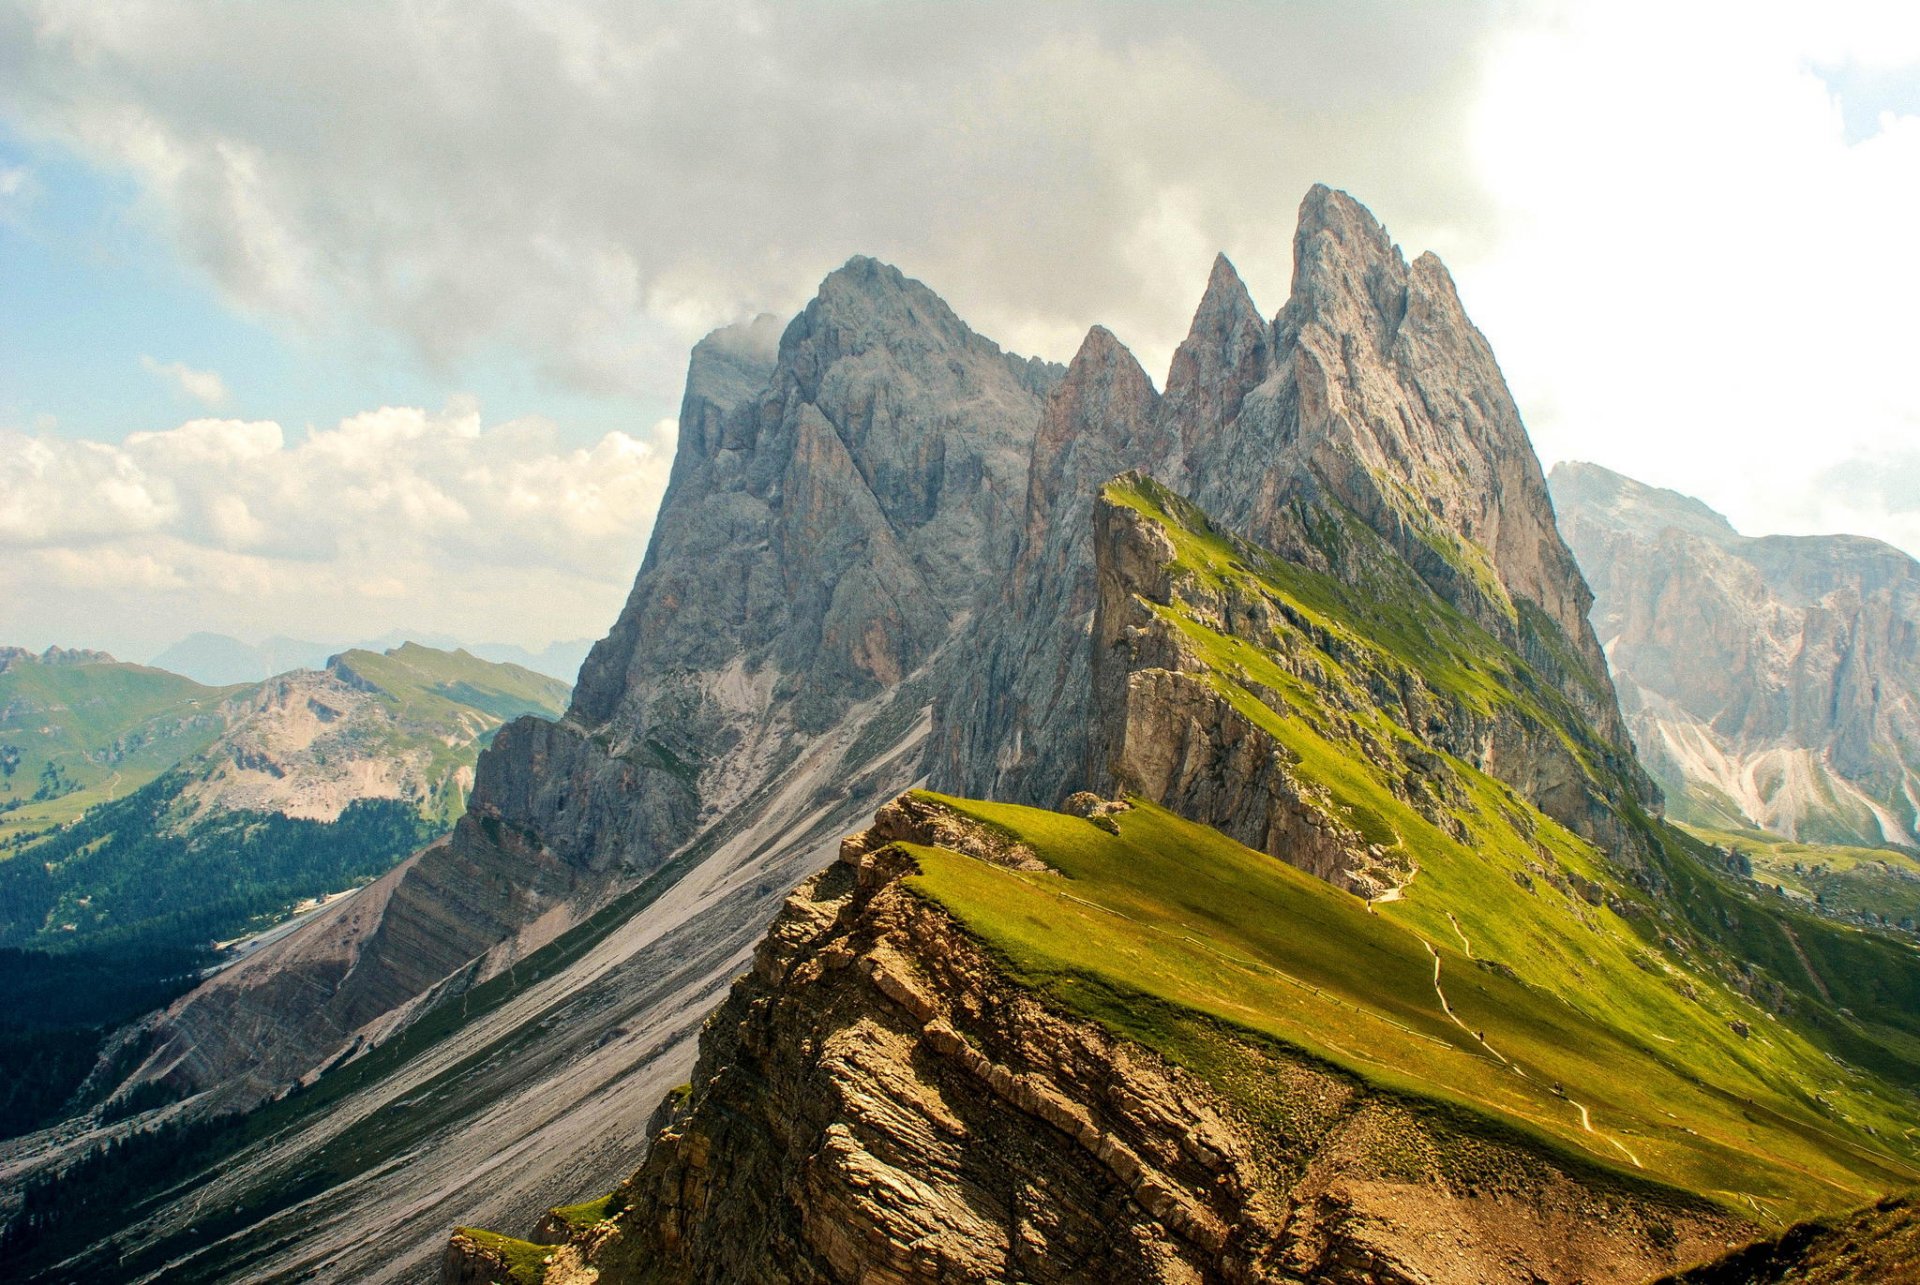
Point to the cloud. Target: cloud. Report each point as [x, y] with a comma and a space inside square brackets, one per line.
[599, 183]
[204, 386]
[1686, 229]
[433, 520]
[1700, 275]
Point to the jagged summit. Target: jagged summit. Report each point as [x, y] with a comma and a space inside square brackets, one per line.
[1224, 355]
[1370, 398]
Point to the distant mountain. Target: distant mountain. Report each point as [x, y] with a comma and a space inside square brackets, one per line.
[1771, 682]
[79, 728]
[219, 659]
[123, 757]
[143, 816]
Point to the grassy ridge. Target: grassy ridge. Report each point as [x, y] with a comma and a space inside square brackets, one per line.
[1167, 910]
[1855, 883]
[95, 732]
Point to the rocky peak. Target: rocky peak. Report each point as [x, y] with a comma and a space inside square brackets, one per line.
[10, 656]
[1102, 408]
[1347, 272]
[1224, 356]
[1372, 397]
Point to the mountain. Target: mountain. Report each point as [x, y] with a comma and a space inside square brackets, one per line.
[1113, 1043]
[845, 489]
[78, 728]
[1771, 682]
[225, 661]
[1369, 402]
[403, 724]
[221, 659]
[166, 816]
[1358, 952]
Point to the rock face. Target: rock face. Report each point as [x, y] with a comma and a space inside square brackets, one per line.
[842, 493]
[1770, 681]
[1163, 728]
[877, 1101]
[1370, 396]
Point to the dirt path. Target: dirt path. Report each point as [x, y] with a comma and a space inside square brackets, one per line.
[1453, 1017]
[1464, 943]
[1586, 1117]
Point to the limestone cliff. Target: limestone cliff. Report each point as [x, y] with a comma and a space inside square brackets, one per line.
[1769, 681]
[843, 491]
[879, 1101]
[1370, 398]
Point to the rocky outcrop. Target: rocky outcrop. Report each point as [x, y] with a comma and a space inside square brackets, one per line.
[1163, 727]
[1770, 681]
[1370, 397]
[878, 1101]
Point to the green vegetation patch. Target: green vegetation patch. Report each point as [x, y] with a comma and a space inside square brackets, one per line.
[1166, 916]
[588, 1213]
[526, 1261]
[74, 736]
[1863, 884]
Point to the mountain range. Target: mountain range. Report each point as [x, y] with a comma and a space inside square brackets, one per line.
[220, 659]
[147, 817]
[1216, 852]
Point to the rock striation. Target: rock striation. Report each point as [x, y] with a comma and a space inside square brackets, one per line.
[1769, 681]
[878, 1101]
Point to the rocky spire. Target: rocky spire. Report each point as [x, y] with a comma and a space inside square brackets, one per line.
[1224, 357]
[1371, 398]
[1014, 724]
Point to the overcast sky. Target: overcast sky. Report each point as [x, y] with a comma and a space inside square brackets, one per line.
[324, 319]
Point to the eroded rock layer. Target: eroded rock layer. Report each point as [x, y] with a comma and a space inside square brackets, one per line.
[878, 1102]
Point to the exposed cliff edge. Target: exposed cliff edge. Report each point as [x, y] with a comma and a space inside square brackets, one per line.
[1770, 681]
[879, 1101]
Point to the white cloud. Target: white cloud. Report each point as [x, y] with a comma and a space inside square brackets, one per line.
[204, 386]
[399, 515]
[1694, 264]
[597, 183]
[1696, 277]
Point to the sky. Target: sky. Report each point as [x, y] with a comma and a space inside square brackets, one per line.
[324, 319]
